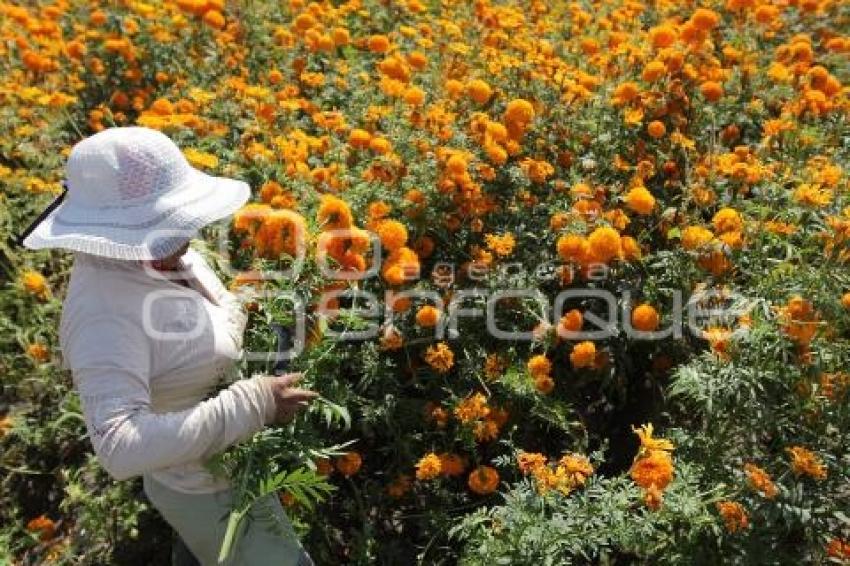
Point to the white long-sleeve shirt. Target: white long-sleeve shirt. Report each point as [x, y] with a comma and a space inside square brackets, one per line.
[145, 352]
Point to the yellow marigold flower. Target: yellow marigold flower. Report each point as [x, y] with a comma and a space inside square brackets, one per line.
[631, 248]
[648, 443]
[760, 481]
[35, 284]
[805, 462]
[604, 244]
[440, 357]
[428, 316]
[429, 467]
[414, 96]
[201, 159]
[727, 220]
[393, 234]
[695, 237]
[653, 71]
[640, 200]
[734, 516]
[502, 246]
[349, 464]
[654, 469]
[483, 480]
[583, 355]
[645, 318]
[576, 468]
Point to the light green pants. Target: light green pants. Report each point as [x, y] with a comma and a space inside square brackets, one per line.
[201, 519]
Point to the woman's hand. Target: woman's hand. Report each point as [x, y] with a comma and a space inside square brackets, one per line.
[289, 399]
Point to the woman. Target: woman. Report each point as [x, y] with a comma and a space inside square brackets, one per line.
[148, 331]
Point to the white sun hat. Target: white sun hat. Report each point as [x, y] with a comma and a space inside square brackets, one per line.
[133, 195]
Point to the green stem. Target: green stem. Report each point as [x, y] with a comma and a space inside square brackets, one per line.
[234, 521]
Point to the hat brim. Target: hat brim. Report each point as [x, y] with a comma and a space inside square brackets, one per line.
[141, 231]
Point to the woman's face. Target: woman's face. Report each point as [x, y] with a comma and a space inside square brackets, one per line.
[171, 262]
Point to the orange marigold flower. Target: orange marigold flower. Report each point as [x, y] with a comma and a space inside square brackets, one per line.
[640, 200]
[583, 355]
[572, 321]
[428, 316]
[35, 284]
[519, 111]
[528, 462]
[653, 469]
[727, 220]
[440, 357]
[393, 234]
[662, 36]
[576, 468]
[572, 247]
[734, 516]
[760, 481]
[359, 138]
[483, 480]
[44, 526]
[645, 318]
[452, 464]
[334, 213]
[805, 462]
[502, 246]
[38, 352]
[414, 96]
[479, 91]
[604, 244]
[539, 366]
[653, 71]
[214, 19]
[705, 19]
[712, 91]
[429, 467]
[378, 44]
[656, 129]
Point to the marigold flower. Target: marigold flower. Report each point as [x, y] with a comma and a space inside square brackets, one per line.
[583, 355]
[640, 200]
[428, 316]
[572, 247]
[349, 463]
[214, 19]
[393, 234]
[662, 36]
[399, 486]
[734, 516]
[414, 96]
[572, 321]
[38, 352]
[502, 246]
[539, 366]
[440, 357]
[711, 90]
[727, 220]
[645, 318]
[44, 526]
[653, 469]
[334, 213]
[378, 44]
[479, 91]
[483, 480]
[805, 462]
[705, 19]
[604, 244]
[359, 138]
[35, 284]
[576, 468]
[653, 71]
[656, 129]
[760, 481]
[452, 464]
[429, 467]
[695, 237]
[528, 462]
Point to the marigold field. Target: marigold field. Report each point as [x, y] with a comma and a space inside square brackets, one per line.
[446, 156]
